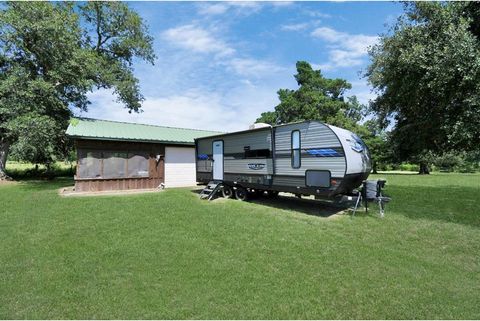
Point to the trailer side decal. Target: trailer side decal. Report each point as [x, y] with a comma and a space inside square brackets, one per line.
[324, 152]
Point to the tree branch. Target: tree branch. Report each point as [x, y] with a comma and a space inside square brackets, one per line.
[99, 34]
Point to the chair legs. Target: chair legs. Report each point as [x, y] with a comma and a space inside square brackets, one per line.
[381, 207]
[359, 199]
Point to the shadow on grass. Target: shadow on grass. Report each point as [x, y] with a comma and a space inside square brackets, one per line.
[306, 206]
[397, 173]
[44, 184]
[292, 203]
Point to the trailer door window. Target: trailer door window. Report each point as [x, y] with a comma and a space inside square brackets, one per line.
[296, 162]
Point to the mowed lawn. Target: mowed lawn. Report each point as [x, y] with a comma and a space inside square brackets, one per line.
[171, 255]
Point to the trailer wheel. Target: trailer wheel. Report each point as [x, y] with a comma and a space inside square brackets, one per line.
[241, 194]
[227, 191]
[272, 194]
[255, 193]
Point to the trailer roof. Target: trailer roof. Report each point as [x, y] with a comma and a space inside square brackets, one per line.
[258, 129]
[97, 129]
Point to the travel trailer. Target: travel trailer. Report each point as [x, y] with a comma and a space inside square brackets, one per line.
[304, 158]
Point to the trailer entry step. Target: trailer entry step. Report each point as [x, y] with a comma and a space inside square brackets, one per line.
[211, 190]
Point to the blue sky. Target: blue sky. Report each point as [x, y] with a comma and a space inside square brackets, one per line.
[220, 64]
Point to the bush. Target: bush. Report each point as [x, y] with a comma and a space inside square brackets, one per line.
[448, 162]
[467, 168]
[409, 167]
[20, 170]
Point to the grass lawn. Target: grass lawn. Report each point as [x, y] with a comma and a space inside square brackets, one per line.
[171, 255]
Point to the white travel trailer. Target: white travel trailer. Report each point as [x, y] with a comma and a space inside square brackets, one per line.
[305, 158]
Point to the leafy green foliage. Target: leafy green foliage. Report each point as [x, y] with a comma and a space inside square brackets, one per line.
[317, 98]
[427, 74]
[51, 56]
[377, 141]
[21, 170]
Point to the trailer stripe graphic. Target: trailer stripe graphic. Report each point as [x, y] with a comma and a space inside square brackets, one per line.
[324, 152]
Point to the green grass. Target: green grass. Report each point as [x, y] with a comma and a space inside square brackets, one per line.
[171, 255]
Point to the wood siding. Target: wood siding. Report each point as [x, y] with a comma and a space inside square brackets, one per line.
[156, 170]
[97, 185]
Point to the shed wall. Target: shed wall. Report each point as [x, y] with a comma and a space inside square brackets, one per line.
[107, 182]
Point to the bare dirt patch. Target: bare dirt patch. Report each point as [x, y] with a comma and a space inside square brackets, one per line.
[70, 192]
[7, 182]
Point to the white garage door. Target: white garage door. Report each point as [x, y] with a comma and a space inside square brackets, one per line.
[180, 167]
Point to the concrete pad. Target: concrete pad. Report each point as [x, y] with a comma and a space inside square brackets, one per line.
[70, 192]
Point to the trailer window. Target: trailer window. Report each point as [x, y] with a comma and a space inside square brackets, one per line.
[296, 148]
[257, 153]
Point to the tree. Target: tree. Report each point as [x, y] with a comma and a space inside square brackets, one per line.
[51, 56]
[426, 72]
[377, 141]
[317, 98]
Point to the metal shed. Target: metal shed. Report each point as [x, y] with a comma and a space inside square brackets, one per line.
[118, 155]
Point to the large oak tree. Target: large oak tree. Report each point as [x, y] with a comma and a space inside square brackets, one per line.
[51, 56]
[317, 98]
[426, 71]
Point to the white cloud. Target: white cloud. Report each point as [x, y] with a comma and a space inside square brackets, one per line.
[241, 8]
[252, 67]
[231, 111]
[317, 14]
[346, 50]
[245, 4]
[281, 3]
[300, 26]
[295, 26]
[362, 90]
[237, 7]
[213, 9]
[197, 39]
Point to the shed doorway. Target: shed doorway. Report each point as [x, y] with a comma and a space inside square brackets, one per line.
[180, 167]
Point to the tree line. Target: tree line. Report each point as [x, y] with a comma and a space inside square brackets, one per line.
[425, 71]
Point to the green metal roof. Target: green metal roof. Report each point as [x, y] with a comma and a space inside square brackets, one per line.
[87, 128]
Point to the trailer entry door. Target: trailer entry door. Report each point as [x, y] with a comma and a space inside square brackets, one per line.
[218, 160]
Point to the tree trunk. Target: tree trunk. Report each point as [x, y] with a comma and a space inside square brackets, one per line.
[4, 148]
[374, 167]
[423, 169]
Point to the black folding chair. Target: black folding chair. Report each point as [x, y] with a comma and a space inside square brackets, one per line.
[372, 192]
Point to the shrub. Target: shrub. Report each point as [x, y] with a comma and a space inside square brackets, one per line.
[20, 170]
[409, 167]
[449, 161]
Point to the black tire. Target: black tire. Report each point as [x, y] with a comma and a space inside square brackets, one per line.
[255, 193]
[272, 194]
[241, 194]
[227, 191]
